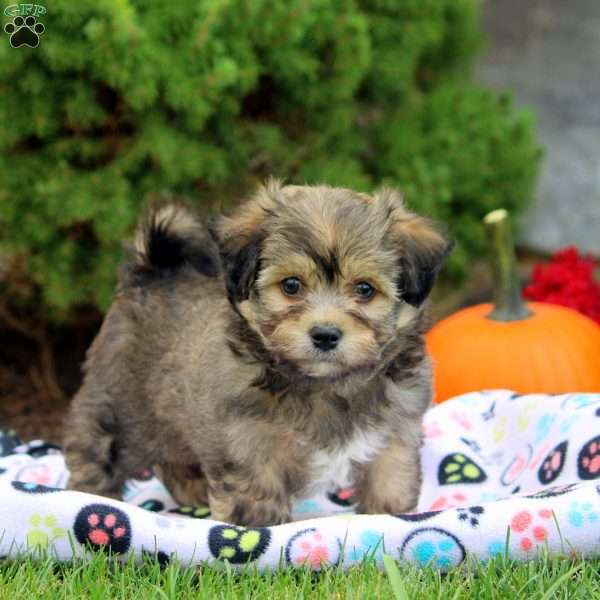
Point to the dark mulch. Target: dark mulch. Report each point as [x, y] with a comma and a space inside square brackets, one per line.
[36, 385]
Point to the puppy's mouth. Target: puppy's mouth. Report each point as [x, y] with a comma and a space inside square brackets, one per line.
[331, 357]
[330, 366]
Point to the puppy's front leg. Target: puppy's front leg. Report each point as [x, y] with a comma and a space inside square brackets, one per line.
[248, 495]
[391, 482]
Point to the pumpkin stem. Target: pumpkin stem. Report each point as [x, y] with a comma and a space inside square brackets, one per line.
[508, 302]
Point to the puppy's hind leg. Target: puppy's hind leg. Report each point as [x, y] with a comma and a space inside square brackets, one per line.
[93, 448]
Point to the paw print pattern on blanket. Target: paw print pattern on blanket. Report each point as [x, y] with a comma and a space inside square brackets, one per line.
[41, 473]
[418, 516]
[518, 464]
[451, 501]
[44, 530]
[310, 547]
[555, 490]
[371, 546]
[588, 461]
[465, 473]
[103, 526]
[553, 464]
[33, 488]
[581, 514]
[531, 527]
[152, 505]
[459, 468]
[434, 547]
[196, 512]
[470, 515]
[238, 545]
[343, 497]
[524, 418]
[500, 429]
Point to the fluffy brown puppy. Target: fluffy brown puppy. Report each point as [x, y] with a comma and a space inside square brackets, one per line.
[282, 354]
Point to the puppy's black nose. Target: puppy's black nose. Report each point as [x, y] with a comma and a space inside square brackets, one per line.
[325, 337]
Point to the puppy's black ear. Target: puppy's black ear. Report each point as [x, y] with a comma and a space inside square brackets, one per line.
[241, 268]
[240, 238]
[419, 265]
[422, 247]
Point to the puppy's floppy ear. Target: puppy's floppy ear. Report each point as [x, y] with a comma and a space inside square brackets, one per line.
[422, 246]
[240, 238]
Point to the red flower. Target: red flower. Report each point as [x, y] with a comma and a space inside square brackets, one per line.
[568, 279]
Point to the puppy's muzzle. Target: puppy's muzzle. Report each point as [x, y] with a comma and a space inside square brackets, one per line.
[325, 337]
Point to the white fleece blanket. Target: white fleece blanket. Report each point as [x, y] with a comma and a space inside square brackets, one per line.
[502, 473]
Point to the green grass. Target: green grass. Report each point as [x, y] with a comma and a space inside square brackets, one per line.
[102, 579]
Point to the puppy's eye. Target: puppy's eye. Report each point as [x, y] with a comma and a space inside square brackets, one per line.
[364, 290]
[291, 286]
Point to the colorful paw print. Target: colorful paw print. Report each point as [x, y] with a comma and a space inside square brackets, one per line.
[581, 514]
[44, 530]
[42, 474]
[543, 427]
[524, 418]
[370, 546]
[470, 515]
[566, 425]
[500, 429]
[553, 464]
[579, 401]
[343, 497]
[458, 468]
[311, 548]
[417, 516]
[434, 547]
[196, 512]
[102, 526]
[432, 429]
[531, 529]
[496, 547]
[451, 501]
[588, 461]
[152, 505]
[516, 466]
[306, 507]
[461, 419]
[33, 488]
[238, 545]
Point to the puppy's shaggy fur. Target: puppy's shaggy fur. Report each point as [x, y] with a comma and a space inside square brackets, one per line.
[277, 354]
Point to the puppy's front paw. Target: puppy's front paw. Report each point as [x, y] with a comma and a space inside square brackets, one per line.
[373, 505]
[249, 509]
[391, 482]
[249, 513]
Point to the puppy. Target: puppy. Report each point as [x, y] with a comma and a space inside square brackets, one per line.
[278, 354]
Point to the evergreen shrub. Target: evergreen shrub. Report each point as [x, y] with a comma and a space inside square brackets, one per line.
[127, 99]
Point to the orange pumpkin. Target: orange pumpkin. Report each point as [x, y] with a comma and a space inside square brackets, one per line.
[526, 347]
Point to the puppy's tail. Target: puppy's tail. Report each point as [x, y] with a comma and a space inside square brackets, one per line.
[170, 239]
